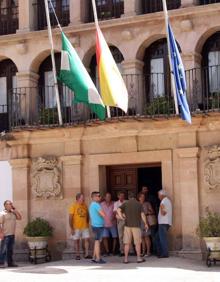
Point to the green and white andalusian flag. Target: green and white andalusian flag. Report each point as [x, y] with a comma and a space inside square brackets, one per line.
[74, 75]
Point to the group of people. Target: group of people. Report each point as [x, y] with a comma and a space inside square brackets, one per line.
[135, 222]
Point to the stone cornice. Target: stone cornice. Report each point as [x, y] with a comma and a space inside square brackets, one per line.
[193, 11]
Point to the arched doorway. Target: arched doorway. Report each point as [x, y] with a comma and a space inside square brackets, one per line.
[47, 97]
[8, 81]
[211, 71]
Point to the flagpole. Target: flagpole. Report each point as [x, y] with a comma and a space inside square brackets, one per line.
[169, 56]
[53, 63]
[97, 26]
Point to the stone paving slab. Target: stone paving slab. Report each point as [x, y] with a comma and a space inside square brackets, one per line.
[171, 269]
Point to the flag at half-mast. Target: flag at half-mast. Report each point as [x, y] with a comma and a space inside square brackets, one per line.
[179, 77]
[113, 90]
[74, 75]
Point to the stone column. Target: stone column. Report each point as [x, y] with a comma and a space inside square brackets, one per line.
[132, 8]
[133, 76]
[26, 96]
[27, 16]
[71, 167]
[188, 3]
[188, 187]
[21, 188]
[75, 12]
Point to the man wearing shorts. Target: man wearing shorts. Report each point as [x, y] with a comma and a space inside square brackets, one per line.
[132, 212]
[79, 224]
[97, 216]
[110, 229]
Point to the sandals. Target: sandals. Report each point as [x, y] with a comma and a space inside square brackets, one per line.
[140, 261]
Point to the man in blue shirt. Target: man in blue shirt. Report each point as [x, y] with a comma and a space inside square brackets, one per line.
[97, 221]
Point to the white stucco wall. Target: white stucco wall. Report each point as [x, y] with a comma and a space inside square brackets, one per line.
[5, 183]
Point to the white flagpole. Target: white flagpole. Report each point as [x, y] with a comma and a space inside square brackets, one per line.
[169, 55]
[53, 62]
[97, 26]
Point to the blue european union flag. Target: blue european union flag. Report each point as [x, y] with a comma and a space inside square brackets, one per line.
[179, 77]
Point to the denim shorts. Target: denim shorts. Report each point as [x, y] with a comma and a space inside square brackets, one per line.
[98, 232]
[110, 231]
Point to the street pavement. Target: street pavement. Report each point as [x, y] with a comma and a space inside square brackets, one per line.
[171, 269]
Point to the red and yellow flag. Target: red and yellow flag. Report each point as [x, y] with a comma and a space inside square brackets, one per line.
[113, 89]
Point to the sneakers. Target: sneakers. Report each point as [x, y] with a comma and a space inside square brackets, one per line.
[101, 261]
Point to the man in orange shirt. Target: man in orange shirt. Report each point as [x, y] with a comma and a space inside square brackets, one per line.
[79, 224]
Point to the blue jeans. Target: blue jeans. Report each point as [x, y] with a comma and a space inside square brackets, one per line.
[162, 241]
[6, 249]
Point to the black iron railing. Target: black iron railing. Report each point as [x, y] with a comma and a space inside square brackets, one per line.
[206, 2]
[152, 6]
[61, 8]
[108, 9]
[149, 97]
[8, 20]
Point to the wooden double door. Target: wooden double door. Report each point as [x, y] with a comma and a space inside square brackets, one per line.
[130, 178]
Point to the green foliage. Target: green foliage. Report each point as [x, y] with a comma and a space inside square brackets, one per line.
[49, 116]
[209, 226]
[160, 106]
[38, 227]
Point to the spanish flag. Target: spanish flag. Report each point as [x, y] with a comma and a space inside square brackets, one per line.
[113, 89]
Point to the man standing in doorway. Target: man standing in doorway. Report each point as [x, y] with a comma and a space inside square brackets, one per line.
[8, 219]
[79, 224]
[132, 212]
[120, 221]
[164, 223]
[97, 216]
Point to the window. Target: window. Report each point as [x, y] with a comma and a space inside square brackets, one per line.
[8, 16]
[152, 6]
[211, 64]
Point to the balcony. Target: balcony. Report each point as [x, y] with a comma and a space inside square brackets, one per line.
[106, 9]
[206, 2]
[61, 8]
[8, 20]
[148, 98]
[152, 6]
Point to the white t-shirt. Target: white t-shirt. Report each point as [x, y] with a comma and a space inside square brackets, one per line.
[167, 218]
[117, 205]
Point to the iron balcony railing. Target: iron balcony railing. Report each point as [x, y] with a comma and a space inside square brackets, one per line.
[206, 2]
[8, 20]
[152, 6]
[61, 8]
[150, 96]
[108, 9]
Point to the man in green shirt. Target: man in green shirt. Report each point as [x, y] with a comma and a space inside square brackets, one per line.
[133, 213]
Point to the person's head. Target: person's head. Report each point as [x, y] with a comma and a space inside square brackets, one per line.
[121, 196]
[80, 198]
[108, 197]
[131, 195]
[8, 205]
[162, 194]
[145, 189]
[141, 197]
[96, 197]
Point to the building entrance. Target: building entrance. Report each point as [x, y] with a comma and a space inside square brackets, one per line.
[131, 178]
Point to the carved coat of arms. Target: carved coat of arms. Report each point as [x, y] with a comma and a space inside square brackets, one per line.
[45, 178]
[212, 168]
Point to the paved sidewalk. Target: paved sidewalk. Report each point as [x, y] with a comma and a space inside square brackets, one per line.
[154, 270]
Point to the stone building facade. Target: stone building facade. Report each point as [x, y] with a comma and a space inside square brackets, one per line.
[50, 164]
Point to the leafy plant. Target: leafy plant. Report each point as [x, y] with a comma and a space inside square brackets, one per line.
[49, 116]
[209, 225]
[160, 106]
[38, 227]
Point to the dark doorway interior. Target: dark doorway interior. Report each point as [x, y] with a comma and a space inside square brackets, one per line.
[152, 178]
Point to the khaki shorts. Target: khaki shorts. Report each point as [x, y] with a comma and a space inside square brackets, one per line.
[130, 232]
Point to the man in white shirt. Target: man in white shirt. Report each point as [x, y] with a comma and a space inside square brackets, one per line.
[120, 222]
[164, 223]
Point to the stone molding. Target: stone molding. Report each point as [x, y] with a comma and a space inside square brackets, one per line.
[46, 178]
[188, 152]
[20, 163]
[71, 160]
[212, 168]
